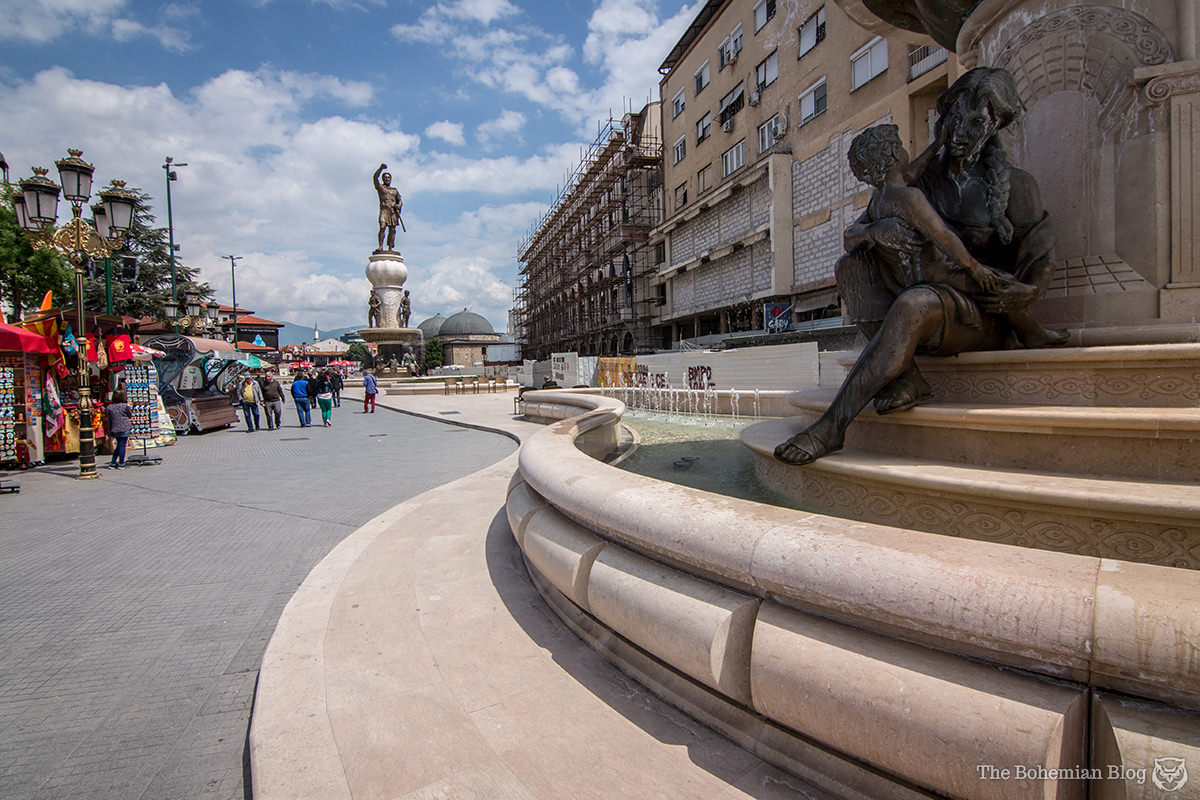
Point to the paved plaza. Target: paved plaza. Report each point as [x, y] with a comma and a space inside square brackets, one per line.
[135, 609]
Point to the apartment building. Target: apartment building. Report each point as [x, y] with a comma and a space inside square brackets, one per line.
[760, 100]
[585, 266]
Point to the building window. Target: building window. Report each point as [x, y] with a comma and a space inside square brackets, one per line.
[679, 149]
[732, 103]
[769, 133]
[733, 158]
[660, 253]
[704, 127]
[681, 195]
[731, 47]
[702, 77]
[763, 13]
[766, 72]
[812, 32]
[868, 62]
[812, 101]
[704, 179]
[677, 103]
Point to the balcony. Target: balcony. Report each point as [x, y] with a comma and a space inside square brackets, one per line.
[922, 59]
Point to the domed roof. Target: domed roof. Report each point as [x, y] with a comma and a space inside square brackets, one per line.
[430, 327]
[466, 323]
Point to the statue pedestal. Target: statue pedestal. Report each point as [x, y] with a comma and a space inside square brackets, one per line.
[387, 272]
[392, 343]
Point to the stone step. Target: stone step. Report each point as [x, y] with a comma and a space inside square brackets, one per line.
[1128, 442]
[1145, 376]
[1154, 522]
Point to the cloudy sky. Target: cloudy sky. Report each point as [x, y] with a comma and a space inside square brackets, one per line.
[283, 109]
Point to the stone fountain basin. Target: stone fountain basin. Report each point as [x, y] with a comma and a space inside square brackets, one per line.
[869, 659]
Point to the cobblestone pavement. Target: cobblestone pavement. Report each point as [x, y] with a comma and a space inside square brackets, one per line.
[135, 609]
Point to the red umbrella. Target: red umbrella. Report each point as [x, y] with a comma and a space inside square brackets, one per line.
[14, 338]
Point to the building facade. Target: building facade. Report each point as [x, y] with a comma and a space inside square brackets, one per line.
[584, 279]
[760, 102]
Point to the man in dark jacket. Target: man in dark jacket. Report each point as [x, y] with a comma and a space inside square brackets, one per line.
[335, 386]
[273, 394]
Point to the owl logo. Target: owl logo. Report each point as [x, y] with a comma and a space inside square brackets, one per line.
[1170, 774]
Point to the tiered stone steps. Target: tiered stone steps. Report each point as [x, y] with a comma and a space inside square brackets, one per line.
[1085, 450]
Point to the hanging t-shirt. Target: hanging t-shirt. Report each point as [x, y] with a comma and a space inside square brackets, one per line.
[119, 349]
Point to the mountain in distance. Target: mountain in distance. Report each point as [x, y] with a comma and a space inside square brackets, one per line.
[292, 333]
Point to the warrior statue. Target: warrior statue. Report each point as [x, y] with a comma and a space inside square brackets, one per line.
[373, 307]
[405, 310]
[390, 205]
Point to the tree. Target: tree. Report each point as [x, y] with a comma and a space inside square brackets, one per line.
[358, 352]
[433, 356]
[151, 290]
[27, 274]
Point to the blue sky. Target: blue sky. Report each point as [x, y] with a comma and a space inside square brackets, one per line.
[283, 110]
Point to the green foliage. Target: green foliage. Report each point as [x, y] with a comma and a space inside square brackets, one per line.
[433, 356]
[27, 274]
[151, 291]
[358, 352]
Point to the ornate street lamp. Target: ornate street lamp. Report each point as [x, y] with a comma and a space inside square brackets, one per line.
[80, 243]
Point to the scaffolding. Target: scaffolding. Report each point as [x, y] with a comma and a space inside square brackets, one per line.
[586, 264]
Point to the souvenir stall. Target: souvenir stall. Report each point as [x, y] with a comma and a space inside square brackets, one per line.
[192, 378]
[109, 351]
[23, 358]
[139, 380]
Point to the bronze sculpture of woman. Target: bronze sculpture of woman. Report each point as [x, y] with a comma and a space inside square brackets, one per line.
[996, 210]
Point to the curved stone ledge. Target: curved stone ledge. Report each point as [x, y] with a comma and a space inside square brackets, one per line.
[821, 618]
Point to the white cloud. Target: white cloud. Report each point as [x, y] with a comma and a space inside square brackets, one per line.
[484, 12]
[507, 125]
[626, 42]
[290, 195]
[46, 20]
[449, 132]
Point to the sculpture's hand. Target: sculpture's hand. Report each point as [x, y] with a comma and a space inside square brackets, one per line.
[383, 166]
[985, 276]
[894, 234]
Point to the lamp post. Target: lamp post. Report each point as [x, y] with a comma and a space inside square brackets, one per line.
[233, 281]
[79, 242]
[171, 176]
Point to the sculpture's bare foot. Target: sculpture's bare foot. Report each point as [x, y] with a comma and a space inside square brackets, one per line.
[907, 391]
[1009, 296]
[804, 448]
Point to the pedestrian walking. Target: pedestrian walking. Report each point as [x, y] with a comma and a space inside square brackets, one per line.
[325, 398]
[272, 394]
[251, 397]
[371, 388]
[118, 421]
[300, 397]
[336, 383]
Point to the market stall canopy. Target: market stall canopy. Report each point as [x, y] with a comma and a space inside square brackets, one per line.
[214, 348]
[14, 338]
[251, 361]
[143, 353]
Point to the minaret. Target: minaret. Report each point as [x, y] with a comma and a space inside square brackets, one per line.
[316, 333]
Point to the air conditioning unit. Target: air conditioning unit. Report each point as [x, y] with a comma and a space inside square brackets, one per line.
[727, 126]
[754, 98]
[779, 129]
